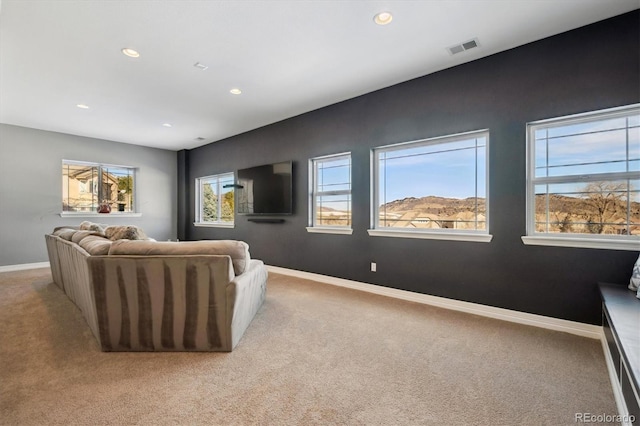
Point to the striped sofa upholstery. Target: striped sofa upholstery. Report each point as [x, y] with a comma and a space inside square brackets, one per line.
[160, 296]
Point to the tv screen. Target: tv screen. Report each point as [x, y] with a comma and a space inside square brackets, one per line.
[265, 189]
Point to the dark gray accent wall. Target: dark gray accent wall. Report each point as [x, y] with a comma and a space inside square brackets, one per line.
[183, 209]
[31, 188]
[587, 69]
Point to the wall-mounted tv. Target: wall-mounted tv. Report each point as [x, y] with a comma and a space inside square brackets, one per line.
[265, 190]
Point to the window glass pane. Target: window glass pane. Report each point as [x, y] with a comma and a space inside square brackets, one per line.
[435, 186]
[117, 188]
[601, 207]
[591, 170]
[540, 134]
[606, 145]
[589, 127]
[209, 201]
[333, 210]
[541, 157]
[227, 195]
[217, 202]
[432, 148]
[334, 175]
[86, 186]
[603, 152]
[330, 191]
[79, 188]
[634, 149]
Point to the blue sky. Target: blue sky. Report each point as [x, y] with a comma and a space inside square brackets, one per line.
[587, 148]
[605, 146]
[444, 171]
[453, 169]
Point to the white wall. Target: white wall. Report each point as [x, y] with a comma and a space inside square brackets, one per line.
[31, 188]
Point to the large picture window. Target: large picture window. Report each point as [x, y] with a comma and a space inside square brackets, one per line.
[432, 188]
[584, 180]
[330, 194]
[215, 200]
[85, 186]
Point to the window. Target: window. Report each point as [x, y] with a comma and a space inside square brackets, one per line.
[583, 186]
[87, 185]
[215, 200]
[330, 194]
[432, 188]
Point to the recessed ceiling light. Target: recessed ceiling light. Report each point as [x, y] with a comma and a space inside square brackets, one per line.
[383, 18]
[235, 91]
[83, 106]
[131, 52]
[167, 125]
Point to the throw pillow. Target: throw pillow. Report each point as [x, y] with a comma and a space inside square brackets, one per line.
[90, 226]
[129, 232]
[634, 282]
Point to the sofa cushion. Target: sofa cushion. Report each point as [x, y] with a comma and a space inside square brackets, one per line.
[65, 233]
[96, 245]
[128, 232]
[237, 250]
[80, 235]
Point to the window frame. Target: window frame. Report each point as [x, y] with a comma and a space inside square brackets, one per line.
[533, 237]
[97, 188]
[435, 234]
[314, 193]
[219, 178]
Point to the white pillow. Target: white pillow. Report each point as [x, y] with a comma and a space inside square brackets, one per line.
[634, 282]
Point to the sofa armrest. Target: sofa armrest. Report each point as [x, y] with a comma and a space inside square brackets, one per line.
[245, 295]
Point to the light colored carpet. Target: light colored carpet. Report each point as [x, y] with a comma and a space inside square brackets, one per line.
[314, 354]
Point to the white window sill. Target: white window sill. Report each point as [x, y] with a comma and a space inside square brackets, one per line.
[329, 230]
[451, 236]
[609, 244]
[90, 214]
[213, 225]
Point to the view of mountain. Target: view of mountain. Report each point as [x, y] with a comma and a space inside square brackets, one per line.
[597, 213]
[436, 205]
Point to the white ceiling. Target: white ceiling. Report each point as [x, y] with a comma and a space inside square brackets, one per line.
[287, 57]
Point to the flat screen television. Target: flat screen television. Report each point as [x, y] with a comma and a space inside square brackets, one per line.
[265, 190]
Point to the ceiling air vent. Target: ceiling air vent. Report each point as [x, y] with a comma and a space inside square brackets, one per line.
[467, 45]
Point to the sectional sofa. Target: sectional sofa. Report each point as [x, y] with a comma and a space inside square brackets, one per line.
[145, 295]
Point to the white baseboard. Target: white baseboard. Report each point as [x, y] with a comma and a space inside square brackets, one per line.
[22, 267]
[572, 327]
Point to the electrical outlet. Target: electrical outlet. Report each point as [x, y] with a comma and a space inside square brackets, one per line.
[374, 267]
